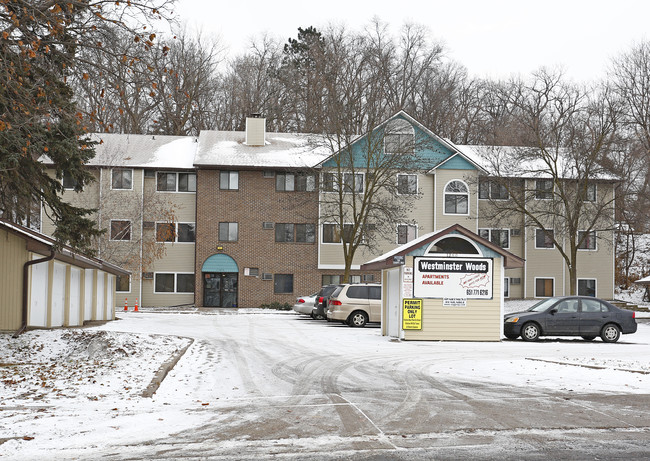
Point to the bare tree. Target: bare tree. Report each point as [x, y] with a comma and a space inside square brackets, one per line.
[557, 181]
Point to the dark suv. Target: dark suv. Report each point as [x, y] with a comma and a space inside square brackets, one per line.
[319, 311]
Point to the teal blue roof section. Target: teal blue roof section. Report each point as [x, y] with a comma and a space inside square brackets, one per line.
[430, 151]
[457, 163]
[219, 263]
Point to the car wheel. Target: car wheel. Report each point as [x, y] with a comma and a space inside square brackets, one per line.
[530, 332]
[610, 333]
[358, 319]
[311, 314]
[589, 338]
[512, 336]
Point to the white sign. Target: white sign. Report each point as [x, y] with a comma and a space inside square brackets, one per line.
[454, 302]
[407, 289]
[462, 278]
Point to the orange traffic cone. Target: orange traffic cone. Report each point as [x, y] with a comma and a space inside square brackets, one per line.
[126, 306]
[136, 305]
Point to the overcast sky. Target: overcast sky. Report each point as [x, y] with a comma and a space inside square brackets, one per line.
[495, 38]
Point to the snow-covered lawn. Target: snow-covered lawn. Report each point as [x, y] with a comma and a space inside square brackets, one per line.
[81, 389]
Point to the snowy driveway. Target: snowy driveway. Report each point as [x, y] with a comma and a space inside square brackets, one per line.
[276, 384]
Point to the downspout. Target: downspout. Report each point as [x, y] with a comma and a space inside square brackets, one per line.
[25, 287]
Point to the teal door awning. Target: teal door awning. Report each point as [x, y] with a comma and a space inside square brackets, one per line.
[220, 263]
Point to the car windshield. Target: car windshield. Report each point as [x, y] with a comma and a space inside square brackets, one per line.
[543, 305]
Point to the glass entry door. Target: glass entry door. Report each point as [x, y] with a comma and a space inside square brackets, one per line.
[220, 289]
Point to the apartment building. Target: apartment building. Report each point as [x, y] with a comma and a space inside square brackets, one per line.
[241, 220]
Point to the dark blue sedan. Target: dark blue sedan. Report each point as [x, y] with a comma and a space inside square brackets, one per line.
[570, 316]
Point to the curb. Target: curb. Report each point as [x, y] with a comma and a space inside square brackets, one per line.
[165, 368]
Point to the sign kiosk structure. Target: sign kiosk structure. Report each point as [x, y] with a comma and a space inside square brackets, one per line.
[446, 285]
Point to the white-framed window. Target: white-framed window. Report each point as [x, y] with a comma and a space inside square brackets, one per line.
[181, 232]
[120, 229]
[500, 237]
[587, 287]
[506, 287]
[331, 279]
[122, 178]
[228, 231]
[123, 283]
[173, 282]
[68, 182]
[229, 180]
[544, 287]
[589, 242]
[406, 233]
[355, 278]
[399, 137]
[542, 239]
[352, 182]
[407, 184]
[491, 189]
[288, 182]
[456, 195]
[543, 189]
[331, 233]
[175, 182]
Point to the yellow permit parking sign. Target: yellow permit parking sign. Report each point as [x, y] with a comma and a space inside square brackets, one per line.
[412, 314]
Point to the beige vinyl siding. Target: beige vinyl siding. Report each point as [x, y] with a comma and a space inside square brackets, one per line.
[13, 255]
[597, 265]
[516, 291]
[480, 320]
[543, 263]
[442, 178]
[179, 258]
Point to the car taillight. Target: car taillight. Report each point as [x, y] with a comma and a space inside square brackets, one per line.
[320, 299]
[335, 302]
[633, 314]
[301, 300]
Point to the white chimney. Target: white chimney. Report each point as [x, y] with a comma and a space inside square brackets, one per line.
[255, 130]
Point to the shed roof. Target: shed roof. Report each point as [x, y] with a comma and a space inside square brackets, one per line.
[385, 261]
[42, 244]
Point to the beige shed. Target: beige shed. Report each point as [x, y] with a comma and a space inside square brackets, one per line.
[42, 285]
[445, 285]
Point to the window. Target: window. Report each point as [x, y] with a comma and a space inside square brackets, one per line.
[589, 242]
[305, 233]
[295, 182]
[399, 137]
[591, 193]
[283, 232]
[543, 239]
[186, 232]
[407, 184]
[165, 232]
[358, 292]
[123, 283]
[368, 278]
[122, 178]
[185, 283]
[331, 233]
[490, 189]
[506, 287]
[252, 271]
[228, 231]
[586, 287]
[456, 198]
[332, 279]
[68, 181]
[543, 189]
[406, 233]
[120, 230]
[283, 283]
[164, 283]
[500, 237]
[355, 278]
[352, 182]
[173, 283]
[229, 180]
[176, 182]
[544, 288]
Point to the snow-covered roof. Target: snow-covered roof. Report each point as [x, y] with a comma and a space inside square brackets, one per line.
[281, 150]
[507, 161]
[142, 151]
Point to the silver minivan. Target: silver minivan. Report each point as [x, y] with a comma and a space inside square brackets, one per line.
[355, 304]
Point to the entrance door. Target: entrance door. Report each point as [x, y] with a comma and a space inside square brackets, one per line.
[219, 289]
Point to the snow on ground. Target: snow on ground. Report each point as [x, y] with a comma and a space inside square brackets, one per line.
[79, 388]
